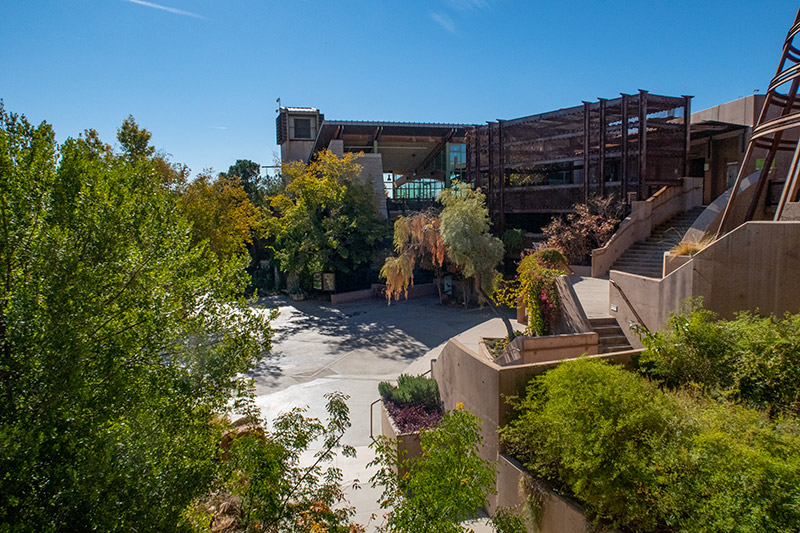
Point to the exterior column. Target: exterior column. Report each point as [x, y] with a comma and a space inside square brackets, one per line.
[642, 143]
[602, 164]
[586, 145]
[624, 177]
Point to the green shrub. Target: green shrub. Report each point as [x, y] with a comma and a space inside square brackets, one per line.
[651, 461]
[512, 241]
[411, 390]
[446, 485]
[753, 359]
[600, 432]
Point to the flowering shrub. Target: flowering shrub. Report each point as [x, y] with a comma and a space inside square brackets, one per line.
[535, 284]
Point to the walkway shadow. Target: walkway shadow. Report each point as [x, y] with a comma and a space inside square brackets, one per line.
[405, 330]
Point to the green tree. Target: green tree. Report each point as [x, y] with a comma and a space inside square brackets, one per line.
[447, 485]
[119, 338]
[326, 219]
[221, 214]
[265, 485]
[249, 172]
[135, 141]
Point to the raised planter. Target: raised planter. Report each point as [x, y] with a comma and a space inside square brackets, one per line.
[672, 262]
[549, 511]
[408, 444]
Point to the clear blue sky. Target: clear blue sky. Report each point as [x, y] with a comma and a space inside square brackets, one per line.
[203, 75]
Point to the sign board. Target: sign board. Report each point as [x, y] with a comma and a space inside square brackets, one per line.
[448, 285]
[328, 281]
[317, 283]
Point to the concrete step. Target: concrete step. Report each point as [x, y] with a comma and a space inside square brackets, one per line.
[615, 340]
[614, 349]
[607, 330]
[608, 321]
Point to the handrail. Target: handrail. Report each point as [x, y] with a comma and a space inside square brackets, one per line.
[629, 304]
[372, 410]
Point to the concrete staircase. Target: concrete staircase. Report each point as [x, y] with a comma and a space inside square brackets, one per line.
[611, 339]
[646, 258]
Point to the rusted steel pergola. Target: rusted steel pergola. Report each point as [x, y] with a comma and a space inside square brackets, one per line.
[546, 163]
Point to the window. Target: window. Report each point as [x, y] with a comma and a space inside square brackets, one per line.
[302, 128]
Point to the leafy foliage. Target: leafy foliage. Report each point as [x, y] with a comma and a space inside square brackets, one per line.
[448, 484]
[652, 461]
[512, 241]
[753, 359]
[221, 214]
[589, 227]
[327, 220]
[417, 240]
[535, 284]
[119, 338]
[267, 486]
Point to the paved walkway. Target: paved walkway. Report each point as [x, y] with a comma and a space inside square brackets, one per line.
[593, 295]
[319, 349]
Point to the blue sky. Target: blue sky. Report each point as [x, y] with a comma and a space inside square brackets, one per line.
[203, 75]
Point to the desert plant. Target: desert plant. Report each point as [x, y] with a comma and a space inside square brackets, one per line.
[411, 390]
[690, 247]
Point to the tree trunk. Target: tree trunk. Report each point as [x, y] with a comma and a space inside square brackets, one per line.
[506, 321]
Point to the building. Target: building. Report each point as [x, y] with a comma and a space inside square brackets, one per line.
[535, 167]
[407, 163]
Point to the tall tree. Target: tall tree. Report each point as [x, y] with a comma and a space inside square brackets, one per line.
[326, 219]
[249, 172]
[221, 214]
[119, 338]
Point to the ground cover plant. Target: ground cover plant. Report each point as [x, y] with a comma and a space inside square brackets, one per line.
[752, 359]
[649, 460]
[414, 403]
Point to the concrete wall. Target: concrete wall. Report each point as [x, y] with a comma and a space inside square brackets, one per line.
[527, 350]
[646, 215]
[558, 514]
[408, 444]
[482, 386]
[756, 267]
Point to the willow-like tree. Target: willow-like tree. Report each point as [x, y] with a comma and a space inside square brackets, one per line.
[461, 235]
[417, 241]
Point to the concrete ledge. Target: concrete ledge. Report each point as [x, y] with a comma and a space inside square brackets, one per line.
[408, 444]
[517, 489]
[528, 350]
[672, 262]
[352, 296]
